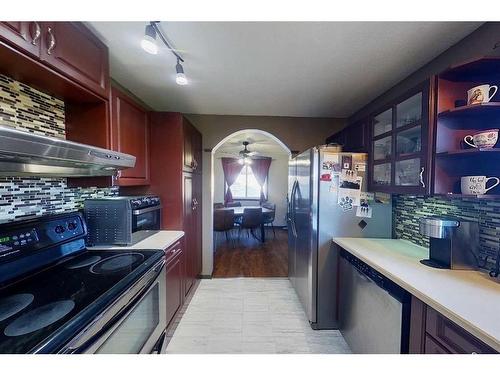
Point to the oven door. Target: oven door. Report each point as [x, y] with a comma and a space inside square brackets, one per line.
[146, 219]
[140, 325]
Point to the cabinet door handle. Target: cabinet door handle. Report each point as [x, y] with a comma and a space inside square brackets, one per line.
[52, 41]
[422, 176]
[36, 33]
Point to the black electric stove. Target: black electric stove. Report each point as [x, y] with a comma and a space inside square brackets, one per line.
[52, 286]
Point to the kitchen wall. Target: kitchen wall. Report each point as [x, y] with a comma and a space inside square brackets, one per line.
[25, 108]
[277, 185]
[296, 133]
[408, 210]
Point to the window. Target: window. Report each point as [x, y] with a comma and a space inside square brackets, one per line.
[246, 185]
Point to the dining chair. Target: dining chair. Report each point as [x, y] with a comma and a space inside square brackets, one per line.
[218, 206]
[233, 204]
[223, 223]
[269, 217]
[251, 219]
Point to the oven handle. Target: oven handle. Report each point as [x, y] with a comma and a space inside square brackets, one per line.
[147, 209]
[89, 335]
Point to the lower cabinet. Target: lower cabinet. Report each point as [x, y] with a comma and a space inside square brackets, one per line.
[433, 333]
[175, 269]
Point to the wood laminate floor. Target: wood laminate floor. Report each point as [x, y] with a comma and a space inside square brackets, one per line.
[248, 257]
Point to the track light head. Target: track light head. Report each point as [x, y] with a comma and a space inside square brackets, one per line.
[148, 42]
[180, 77]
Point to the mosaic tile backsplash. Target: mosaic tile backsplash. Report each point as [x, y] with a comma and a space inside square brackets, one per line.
[28, 109]
[407, 211]
[25, 108]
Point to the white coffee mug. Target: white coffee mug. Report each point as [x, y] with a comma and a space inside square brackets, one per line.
[483, 139]
[476, 185]
[481, 94]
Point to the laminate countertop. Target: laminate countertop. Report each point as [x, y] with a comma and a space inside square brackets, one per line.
[471, 299]
[158, 241]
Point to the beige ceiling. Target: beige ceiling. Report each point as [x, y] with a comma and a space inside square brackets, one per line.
[301, 69]
[263, 144]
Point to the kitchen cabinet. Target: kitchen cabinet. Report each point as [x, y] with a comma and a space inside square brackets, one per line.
[353, 138]
[67, 47]
[456, 120]
[175, 271]
[26, 36]
[433, 333]
[180, 190]
[400, 146]
[130, 134]
[192, 148]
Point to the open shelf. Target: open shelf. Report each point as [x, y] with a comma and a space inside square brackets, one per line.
[495, 152]
[479, 70]
[477, 116]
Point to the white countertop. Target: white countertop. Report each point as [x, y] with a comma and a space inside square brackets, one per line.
[469, 298]
[158, 241]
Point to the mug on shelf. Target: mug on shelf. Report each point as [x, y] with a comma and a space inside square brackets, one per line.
[476, 185]
[482, 139]
[480, 94]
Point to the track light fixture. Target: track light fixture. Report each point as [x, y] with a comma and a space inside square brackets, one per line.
[149, 45]
[148, 42]
[180, 78]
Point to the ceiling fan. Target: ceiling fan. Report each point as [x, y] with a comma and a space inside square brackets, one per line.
[246, 154]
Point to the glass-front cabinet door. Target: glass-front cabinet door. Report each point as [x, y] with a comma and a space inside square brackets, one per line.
[399, 144]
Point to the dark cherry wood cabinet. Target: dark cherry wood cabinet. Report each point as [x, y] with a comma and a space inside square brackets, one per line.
[192, 148]
[401, 143]
[130, 134]
[175, 270]
[178, 188]
[353, 138]
[457, 119]
[433, 333]
[67, 47]
[73, 50]
[26, 36]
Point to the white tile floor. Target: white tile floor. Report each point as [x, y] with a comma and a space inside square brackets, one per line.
[249, 315]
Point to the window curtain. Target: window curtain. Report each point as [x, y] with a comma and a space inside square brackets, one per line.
[231, 169]
[260, 168]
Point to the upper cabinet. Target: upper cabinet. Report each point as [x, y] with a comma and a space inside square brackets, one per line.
[468, 109]
[192, 147]
[400, 135]
[353, 138]
[24, 35]
[67, 47]
[70, 48]
[130, 134]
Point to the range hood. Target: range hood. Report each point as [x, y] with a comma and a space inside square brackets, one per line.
[27, 154]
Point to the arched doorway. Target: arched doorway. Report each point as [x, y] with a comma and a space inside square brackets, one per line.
[266, 145]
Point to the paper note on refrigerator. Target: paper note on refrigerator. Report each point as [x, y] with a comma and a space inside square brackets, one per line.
[364, 209]
[349, 187]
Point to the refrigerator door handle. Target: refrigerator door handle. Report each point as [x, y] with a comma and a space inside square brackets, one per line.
[292, 209]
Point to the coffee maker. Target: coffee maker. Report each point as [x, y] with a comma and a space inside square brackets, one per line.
[453, 242]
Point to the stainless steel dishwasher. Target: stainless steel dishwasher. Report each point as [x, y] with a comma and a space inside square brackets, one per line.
[374, 311]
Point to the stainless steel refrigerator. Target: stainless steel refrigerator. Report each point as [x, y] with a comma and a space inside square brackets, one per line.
[315, 217]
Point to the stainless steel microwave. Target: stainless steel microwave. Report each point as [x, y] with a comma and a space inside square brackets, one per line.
[122, 220]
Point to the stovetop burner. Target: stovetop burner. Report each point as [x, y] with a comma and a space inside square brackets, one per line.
[38, 318]
[79, 263]
[11, 305]
[116, 263]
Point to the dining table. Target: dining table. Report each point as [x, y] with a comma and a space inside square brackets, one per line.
[238, 212]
